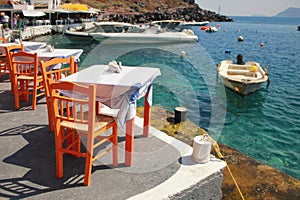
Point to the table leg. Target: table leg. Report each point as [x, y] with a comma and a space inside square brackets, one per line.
[76, 67]
[129, 142]
[98, 107]
[147, 114]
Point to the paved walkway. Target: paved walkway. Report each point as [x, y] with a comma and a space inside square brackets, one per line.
[162, 165]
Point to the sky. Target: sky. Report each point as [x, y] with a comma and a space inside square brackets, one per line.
[248, 7]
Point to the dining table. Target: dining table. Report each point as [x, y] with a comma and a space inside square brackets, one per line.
[45, 54]
[28, 45]
[120, 92]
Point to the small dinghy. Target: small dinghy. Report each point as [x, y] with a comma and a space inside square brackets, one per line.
[243, 79]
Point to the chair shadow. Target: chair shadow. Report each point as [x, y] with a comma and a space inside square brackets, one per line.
[38, 156]
[6, 96]
[4, 78]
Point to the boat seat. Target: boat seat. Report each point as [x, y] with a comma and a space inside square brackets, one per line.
[247, 73]
[240, 67]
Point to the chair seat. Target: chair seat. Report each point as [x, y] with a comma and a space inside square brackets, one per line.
[24, 77]
[100, 122]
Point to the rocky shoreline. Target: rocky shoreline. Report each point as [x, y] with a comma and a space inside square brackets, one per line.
[191, 13]
[256, 180]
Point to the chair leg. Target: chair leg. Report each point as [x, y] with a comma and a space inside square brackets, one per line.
[11, 83]
[88, 159]
[34, 94]
[59, 155]
[16, 92]
[23, 87]
[50, 119]
[78, 145]
[88, 168]
[115, 145]
[26, 90]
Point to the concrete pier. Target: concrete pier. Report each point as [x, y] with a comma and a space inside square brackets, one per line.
[162, 169]
[31, 32]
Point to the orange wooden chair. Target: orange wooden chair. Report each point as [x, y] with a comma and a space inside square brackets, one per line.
[8, 50]
[3, 40]
[26, 77]
[67, 67]
[3, 61]
[79, 114]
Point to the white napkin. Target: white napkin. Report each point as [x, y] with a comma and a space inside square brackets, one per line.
[17, 41]
[49, 48]
[114, 67]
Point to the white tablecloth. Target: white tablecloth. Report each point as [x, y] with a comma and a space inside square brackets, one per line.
[43, 54]
[119, 91]
[28, 46]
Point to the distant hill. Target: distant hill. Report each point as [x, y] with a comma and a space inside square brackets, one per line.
[290, 12]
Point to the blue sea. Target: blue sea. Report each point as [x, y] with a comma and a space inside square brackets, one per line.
[264, 125]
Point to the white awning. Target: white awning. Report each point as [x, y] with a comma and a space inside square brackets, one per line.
[33, 13]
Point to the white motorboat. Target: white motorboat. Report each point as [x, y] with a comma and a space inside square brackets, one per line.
[154, 33]
[243, 79]
[194, 23]
[120, 33]
[146, 37]
[211, 29]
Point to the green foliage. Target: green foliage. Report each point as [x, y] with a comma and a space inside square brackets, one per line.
[99, 5]
[118, 3]
[135, 7]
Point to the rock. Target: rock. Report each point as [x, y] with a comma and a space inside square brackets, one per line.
[192, 13]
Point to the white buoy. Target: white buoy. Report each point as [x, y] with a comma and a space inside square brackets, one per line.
[182, 54]
[240, 38]
[201, 149]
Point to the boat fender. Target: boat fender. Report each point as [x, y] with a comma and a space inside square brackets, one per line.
[188, 32]
[253, 68]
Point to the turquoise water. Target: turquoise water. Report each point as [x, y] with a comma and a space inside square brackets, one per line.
[263, 125]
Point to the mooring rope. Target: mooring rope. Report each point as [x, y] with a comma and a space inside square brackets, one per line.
[217, 149]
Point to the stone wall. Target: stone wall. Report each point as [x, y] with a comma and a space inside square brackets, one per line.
[35, 31]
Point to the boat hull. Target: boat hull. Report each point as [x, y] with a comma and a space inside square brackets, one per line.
[241, 87]
[143, 38]
[75, 36]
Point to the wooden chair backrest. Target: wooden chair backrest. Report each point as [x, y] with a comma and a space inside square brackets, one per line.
[79, 109]
[10, 49]
[67, 68]
[24, 63]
